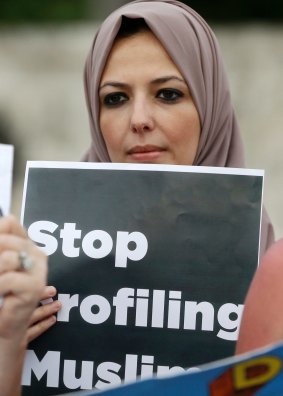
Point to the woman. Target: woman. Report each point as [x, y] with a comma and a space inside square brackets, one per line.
[157, 92]
[22, 280]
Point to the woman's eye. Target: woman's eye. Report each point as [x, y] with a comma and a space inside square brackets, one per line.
[169, 94]
[115, 99]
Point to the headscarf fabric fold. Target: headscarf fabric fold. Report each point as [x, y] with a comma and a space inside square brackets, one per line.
[193, 47]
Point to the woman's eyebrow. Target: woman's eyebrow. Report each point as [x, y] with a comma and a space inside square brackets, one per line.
[159, 80]
[164, 79]
[115, 84]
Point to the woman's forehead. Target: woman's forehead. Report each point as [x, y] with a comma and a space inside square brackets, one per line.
[141, 50]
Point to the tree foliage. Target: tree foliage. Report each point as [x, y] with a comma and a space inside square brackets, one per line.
[58, 11]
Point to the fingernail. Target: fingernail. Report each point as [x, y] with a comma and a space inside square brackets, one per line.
[51, 290]
[46, 301]
[57, 305]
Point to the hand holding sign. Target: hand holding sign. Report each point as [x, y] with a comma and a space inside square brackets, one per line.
[22, 277]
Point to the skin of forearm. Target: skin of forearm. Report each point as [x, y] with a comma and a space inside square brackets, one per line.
[11, 363]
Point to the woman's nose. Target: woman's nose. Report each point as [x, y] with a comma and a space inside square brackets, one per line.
[141, 117]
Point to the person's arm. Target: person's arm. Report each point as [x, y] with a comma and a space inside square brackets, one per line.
[12, 354]
[262, 321]
[21, 288]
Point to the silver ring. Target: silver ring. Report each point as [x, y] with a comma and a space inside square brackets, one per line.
[25, 261]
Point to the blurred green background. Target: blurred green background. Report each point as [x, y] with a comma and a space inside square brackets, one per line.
[38, 11]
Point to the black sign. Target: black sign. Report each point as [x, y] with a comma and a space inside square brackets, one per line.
[151, 265]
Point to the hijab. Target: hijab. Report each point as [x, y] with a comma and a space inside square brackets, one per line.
[194, 49]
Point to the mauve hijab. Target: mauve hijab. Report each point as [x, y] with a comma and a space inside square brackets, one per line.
[194, 49]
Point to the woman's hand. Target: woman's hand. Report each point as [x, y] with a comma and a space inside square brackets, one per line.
[43, 316]
[23, 272]
[21, 289]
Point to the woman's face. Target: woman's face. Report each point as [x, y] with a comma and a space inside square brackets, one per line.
[147, 114]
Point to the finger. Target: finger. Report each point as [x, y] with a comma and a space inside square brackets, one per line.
[28, 288]
[10, 225]
[44, 311]
[39, 328]
[13, 242]
[38, 261]
[19, 302]
[9, 261]
[48, 292]
[17, 244]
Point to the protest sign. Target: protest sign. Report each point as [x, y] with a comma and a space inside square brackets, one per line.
[151, 263]
[6, 175]
[257, 373]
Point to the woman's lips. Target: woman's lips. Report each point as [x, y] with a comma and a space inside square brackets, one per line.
[145, 153]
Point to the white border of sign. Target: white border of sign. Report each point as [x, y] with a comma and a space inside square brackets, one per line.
[6, 176]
